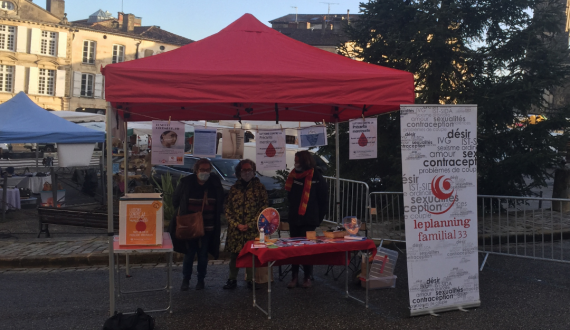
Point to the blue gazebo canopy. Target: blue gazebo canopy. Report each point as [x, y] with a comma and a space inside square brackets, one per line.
[23, 121]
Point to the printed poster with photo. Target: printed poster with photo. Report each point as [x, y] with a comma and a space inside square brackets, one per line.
[439, 175]
[314, 136]
[362, 135]
[232, 143]
[270, 150]
[204, 142]
[167, 143]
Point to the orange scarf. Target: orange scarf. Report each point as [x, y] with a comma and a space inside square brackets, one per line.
[308, 175]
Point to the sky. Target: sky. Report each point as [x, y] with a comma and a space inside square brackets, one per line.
[197, 19]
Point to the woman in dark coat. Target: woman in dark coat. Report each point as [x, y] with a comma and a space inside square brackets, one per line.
[188, 198]
[308, 202]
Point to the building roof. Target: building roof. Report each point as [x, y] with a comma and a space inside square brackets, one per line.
[146, 32]
[99, 15]
[314, 18]
[316, 37]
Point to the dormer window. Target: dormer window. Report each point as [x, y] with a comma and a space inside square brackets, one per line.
[6, 5]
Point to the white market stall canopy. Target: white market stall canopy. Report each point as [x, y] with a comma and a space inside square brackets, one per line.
[79, 117]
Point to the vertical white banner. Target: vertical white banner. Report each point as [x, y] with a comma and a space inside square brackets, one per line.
[362, 135]
[270, 150]
[439, 174]
[204, 142]
[167, 143]
[232, 143]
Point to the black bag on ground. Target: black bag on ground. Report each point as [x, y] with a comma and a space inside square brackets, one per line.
[137, 321]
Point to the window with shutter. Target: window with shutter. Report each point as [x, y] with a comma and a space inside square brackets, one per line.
[76, 84]
[98, 85]
[6, 78]
[89, 52]
[46, 82]
[48, 43]
[7, 36]
[118, 53]
[87, 81]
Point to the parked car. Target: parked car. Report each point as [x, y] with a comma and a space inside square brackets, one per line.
[45, 147]
[224, 169]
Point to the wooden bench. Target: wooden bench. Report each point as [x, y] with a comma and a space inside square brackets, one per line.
[70, 217]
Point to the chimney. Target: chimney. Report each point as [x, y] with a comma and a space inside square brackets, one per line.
[128, 22]
[56, 7]
[348, 16]
[324, 25]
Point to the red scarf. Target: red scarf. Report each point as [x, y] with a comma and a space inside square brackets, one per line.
[308, 175]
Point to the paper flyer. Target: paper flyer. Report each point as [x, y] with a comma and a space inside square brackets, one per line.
[439, 175]
[232, 143]
[362, 135]
[313, 136]
[167, 143]
[204, 142]
[270, 150]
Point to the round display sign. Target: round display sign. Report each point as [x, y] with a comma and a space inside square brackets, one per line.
[268, 220]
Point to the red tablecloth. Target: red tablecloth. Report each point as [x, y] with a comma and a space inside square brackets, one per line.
[315, 254]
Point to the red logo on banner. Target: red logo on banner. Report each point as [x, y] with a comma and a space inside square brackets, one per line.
[270, 151]
[441, 190]
[141, 226]
[362, 140]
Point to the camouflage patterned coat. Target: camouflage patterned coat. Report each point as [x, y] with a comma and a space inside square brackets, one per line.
[245, 202]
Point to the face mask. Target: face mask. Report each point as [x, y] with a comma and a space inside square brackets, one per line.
[298, 167]
[247, 176]
[203, 176]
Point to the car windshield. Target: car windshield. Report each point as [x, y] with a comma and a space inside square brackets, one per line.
[226, 167]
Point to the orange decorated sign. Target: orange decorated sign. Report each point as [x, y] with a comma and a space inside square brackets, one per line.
[140, 220]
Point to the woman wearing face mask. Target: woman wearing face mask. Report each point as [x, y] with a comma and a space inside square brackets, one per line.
[308, 202]
[246, 200]
[188, 198]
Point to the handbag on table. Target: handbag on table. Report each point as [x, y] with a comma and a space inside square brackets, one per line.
[191, 226]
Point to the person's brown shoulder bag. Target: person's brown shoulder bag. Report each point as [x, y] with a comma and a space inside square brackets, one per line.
[191, 226]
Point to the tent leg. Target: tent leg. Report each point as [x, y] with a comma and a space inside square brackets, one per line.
[53, 186]
[4, 193]
[37, 157]
[337, 183]
[126, 161]
[110, 229]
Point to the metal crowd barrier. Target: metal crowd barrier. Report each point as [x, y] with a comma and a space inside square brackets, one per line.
[353, 200]
[527, 227]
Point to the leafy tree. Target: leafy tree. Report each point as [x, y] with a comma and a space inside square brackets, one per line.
[502, 55]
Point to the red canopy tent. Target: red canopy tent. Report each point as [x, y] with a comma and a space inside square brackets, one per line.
[248, 71]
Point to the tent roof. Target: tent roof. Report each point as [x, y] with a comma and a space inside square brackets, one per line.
[79, 117]
[22, 121]
[248, 65]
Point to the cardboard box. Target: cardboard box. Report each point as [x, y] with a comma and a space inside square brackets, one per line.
[335, 234]
[141, 219]
[261, 275]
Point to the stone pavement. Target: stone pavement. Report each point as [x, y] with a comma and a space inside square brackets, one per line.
[78, 252]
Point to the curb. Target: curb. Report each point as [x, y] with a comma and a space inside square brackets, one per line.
[91, 259]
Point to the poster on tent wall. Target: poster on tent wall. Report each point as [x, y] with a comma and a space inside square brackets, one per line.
[167, 143]
[270, 150]
[232, 143]
[314, 136]
[439, 175]
[204, 142]
[362, 135]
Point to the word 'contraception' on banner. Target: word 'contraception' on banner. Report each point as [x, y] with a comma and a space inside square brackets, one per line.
[362, 135]
[439, 175]
[167, 143]
[270, 150]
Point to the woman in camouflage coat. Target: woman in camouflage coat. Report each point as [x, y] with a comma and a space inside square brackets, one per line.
[246, 200]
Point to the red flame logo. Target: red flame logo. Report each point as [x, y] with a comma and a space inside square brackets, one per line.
[270, 151]
[440, 189]
[362, 140]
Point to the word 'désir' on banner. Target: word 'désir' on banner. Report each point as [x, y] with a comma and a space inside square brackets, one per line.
[167, 143]
[270, 150]
[362, 135]
[439, 176]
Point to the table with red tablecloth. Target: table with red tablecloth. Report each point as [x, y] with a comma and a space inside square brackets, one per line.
[336, 253]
